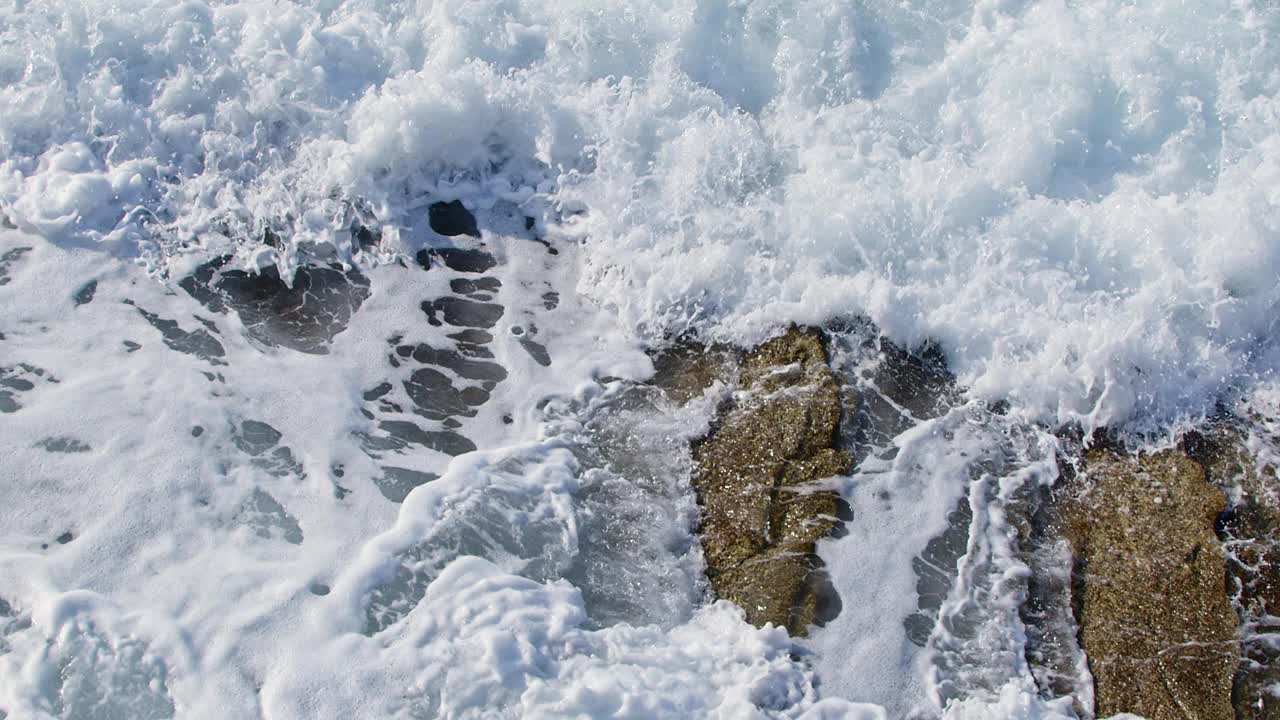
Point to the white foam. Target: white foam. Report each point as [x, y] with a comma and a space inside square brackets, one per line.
[1076, 199]
[187, 579]
[1072, 198]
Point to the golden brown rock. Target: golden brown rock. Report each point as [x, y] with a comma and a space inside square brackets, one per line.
[754, 477]
[1156, 623]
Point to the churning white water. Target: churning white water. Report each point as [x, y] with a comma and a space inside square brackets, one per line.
[424, 478]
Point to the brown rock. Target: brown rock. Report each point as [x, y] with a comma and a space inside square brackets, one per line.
[754, 475]
[1156, 623]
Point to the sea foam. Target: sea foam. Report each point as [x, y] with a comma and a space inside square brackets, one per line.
[1075, 200]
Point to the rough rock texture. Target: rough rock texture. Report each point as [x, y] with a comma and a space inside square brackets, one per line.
[1156, 623]
[1250, 532]
[754, 476]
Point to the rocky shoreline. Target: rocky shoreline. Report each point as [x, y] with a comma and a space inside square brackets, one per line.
[1158, 572]
[1173, 579]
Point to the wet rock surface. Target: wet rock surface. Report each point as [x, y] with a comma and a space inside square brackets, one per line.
[688, 369]
[441, 375]
[1049, 612]
[268, 518]
[452, 218]
[262, 443]
[16, 380]
[304, 316]
[8, 258]
[1250, 533]
[63, 444]
[906, 388]
[1155, 620]
[84, 295]
[1152, 580]
[935, 570]
[197, 343]
[896, 390]
[755, 479]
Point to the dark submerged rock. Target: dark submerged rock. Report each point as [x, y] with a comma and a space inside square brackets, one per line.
[261, 441]
[197, 343]
[452, 218]
[935, 571]
[468, 286]
[18, 379]
[63, 444]
[255, 437]
[435, 397]
[304, 317]
[84, 295]
[377, 391]
[461, 312]
[396, 483]
[268, 518]
[9, 258]
[472, 337]
[401, 434]
[537, 351]
[457, 259]
[455, 361]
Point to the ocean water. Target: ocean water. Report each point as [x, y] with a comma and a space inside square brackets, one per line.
[285, 433]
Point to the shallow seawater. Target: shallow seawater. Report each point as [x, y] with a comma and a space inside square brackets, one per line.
[326, 334]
